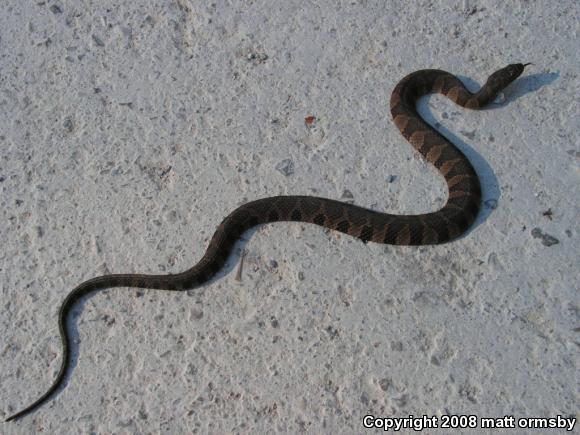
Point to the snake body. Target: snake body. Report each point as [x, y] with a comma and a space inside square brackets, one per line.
[443, 225]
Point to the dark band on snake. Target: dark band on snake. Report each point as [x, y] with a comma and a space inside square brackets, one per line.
[441, 226]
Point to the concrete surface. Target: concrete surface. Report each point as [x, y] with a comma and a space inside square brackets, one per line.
[128, 130]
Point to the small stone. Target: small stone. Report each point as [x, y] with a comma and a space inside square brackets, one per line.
[273, 264]
[257, 57]
[471, 11]
[547, 240]
[332, 332]
[385, 384]
[347, 194]
[98, 41]
[68, 125]
[468, 392]
[491, 204]
[468, 134]
[500, 98]
[391, 178]
[285, 167]
[309, 120]
[56, 9]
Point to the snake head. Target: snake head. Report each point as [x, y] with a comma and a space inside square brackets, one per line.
[514, 70]
[505, 76]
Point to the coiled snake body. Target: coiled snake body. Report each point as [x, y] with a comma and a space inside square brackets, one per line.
[437, 227]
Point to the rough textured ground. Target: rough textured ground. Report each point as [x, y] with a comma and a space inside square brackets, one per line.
[129, 129]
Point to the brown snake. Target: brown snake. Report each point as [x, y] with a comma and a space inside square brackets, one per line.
[425, 229]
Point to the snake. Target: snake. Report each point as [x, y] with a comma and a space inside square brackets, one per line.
[441, 226]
